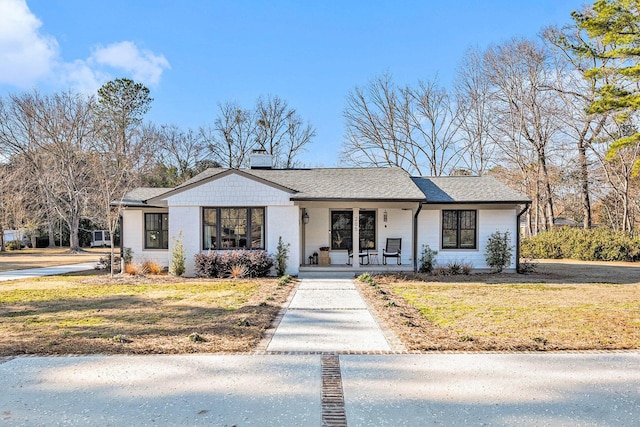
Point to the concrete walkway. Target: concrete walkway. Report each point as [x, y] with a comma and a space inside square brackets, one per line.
[30, 273]
[328, 316]
[307, 375]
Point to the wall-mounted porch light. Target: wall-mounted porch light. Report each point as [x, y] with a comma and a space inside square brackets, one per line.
[305, 217]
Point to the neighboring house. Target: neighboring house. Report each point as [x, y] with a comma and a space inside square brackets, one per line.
[566, 222]
[343, 209]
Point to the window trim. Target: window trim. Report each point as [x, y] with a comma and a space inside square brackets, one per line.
[249, 210]
[165, 245]
[458, 230]
[373, 212]
[360, 212]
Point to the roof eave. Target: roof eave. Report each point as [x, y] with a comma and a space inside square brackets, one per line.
[349, 199]
[477, 202]
[137, 204]
[218, 176]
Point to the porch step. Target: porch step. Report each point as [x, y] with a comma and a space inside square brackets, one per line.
[313, 274]
[348, 272]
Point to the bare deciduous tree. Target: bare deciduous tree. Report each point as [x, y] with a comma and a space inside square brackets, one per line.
[619, 174]
[411, 128]
[280, 130]
[232, 135]
[52, 133]
[473, 97]
[184, 150]
[272, 125]
[526, 111]
[577, 91]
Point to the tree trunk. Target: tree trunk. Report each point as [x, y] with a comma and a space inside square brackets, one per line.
[74, 241]
[51, 232]
[111, 258]
[549, 214]
[584, 186]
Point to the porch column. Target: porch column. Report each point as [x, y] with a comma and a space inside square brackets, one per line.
[356, 237]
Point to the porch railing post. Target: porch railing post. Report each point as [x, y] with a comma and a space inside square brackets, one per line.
[356, 237]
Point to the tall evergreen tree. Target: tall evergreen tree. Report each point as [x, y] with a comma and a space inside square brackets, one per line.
[615, 24]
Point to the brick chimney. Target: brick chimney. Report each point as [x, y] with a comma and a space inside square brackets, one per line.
[260, 159]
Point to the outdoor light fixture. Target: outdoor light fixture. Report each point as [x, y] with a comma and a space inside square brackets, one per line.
[384, 215]
[305, 217]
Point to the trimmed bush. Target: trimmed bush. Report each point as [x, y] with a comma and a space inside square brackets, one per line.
[427, 259]
[222, 264]
[499, 251]
[177, 257]
[598, 244]
[282, 255]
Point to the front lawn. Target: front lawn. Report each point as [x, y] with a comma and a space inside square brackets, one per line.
[544, 311]
[96, 314]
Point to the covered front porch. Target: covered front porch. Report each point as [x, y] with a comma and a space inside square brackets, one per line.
[351, 237]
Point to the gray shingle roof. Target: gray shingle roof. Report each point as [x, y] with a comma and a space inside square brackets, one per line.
[331, 184]
[373, 184]
[139, 196]
[467, 189]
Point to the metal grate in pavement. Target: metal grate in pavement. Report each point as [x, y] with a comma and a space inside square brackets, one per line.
[333, 413]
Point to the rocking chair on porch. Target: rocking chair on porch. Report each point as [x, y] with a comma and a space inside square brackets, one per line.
[362, 255]
[393, 250]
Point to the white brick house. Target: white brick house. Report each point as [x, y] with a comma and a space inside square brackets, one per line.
[347, 210]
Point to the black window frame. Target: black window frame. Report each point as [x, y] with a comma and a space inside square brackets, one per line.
[223, 236]
[163, 233]
[459, 228]
[374, 238]
[344, 235]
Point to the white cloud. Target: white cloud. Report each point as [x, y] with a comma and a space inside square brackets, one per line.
[79, 76]
[26, 56]
[143, 65]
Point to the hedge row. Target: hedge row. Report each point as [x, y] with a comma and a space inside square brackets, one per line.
[220, 264]
[598, 244]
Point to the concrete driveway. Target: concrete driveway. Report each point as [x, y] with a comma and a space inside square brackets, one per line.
[287, 390]
[30, 273]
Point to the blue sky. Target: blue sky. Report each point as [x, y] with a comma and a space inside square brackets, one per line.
[194, 54]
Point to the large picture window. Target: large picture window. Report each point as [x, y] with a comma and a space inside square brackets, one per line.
[459, 229]
[342, 230]
[233, 228]
[156, 231]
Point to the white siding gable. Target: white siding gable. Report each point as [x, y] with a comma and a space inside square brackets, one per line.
[231, 190]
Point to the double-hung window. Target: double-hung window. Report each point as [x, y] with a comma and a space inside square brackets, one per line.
[459, 229]
[233, 228]
[156, 231]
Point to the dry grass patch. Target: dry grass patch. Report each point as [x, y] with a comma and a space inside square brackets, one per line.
[512, 313]
[96, 314]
